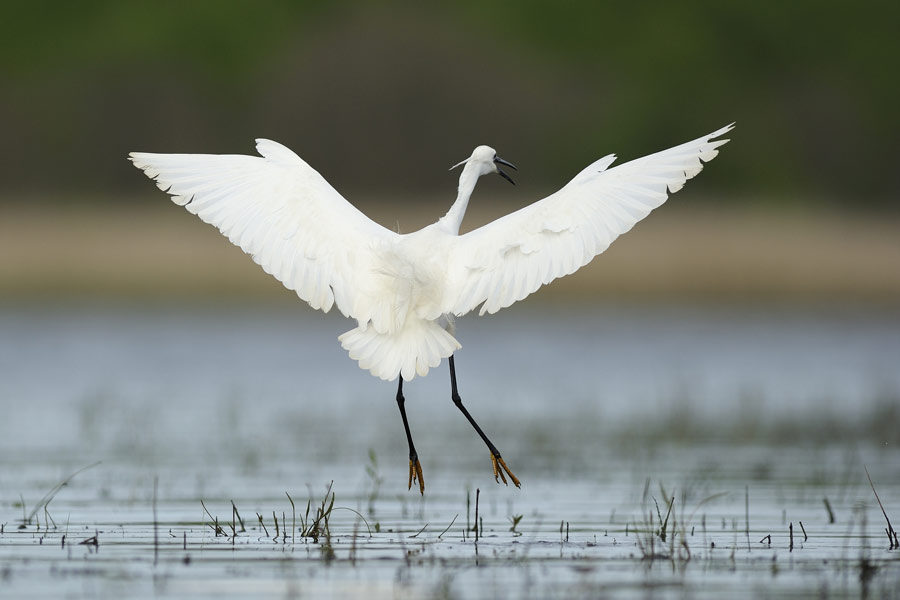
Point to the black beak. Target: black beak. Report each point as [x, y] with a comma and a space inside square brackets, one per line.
[499, 160]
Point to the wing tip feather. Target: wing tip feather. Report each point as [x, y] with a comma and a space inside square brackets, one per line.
[273, 151]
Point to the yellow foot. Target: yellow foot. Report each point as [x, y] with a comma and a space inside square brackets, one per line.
[499, 467]
[415, 472]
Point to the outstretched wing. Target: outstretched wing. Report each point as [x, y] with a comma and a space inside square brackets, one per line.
[285, 215]
[510, 258]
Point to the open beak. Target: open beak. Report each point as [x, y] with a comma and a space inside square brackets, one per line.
[500, 161]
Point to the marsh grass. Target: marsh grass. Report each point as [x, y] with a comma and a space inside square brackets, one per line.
[672, 529]
[515, 520]
[675, 538]
[662, 536]
[889, 530]
[687, 424]
[44, 503]
[314, 526]
[375, 481]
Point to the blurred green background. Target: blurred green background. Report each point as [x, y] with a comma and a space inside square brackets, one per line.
[382, 97]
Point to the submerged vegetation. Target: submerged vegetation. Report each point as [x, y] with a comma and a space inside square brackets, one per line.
[685, 423]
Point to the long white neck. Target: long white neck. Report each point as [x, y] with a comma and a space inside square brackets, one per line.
[453, 219]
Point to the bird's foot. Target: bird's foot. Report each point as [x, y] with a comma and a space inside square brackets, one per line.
[415, 473]
[499, 468]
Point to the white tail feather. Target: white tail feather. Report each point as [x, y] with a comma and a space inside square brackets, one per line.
[419, 346]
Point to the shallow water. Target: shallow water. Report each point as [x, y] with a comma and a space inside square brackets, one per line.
[749, 419]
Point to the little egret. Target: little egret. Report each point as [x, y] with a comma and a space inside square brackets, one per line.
[404, 290]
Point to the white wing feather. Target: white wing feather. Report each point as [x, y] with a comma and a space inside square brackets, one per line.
[508, 259]
[287, 217]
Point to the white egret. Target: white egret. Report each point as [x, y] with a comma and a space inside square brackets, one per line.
[404, 290]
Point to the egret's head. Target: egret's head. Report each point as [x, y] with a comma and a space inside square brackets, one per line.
[485, 159]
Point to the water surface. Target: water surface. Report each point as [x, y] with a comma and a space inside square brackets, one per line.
[750, 419]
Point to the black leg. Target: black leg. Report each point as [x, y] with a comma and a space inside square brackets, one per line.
[415, 469]
[497, 461]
